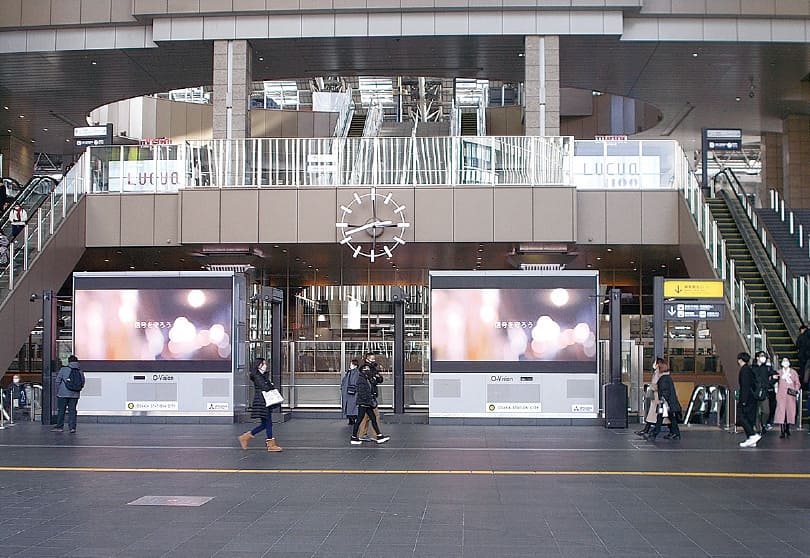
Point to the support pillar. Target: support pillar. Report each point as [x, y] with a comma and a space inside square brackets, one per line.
[796, 160]
[232, 84]
[542, 85]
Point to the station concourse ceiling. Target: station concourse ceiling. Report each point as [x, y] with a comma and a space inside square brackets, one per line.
[693, 84]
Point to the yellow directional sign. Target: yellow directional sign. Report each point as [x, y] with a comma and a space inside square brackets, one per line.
[693, 288]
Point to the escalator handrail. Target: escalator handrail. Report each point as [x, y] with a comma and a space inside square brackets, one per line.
[771, 253]
[30, 188]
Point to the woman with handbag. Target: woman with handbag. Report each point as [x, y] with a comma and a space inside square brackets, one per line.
[651, 400]
[260, 377]
[671, 406]
[786, 391]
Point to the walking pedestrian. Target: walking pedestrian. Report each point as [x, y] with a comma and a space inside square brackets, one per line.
[372, 367]
[762, 374]
[18, 219]
[260, 376]
[651, 399]
[366, 403]
[348, 392]
[747, 402]
[672, 407]
[786, 392]
[69, 382]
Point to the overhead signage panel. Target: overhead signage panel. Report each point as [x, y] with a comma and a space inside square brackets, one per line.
[694, 311]
[723, 139]
[693, 288]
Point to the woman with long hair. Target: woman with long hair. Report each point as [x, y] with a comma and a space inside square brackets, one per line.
[786, 390]
[260, 377]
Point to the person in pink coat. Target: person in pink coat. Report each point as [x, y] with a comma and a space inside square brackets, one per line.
[786, 391]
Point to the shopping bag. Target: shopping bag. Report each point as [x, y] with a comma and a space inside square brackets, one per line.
[272, 397]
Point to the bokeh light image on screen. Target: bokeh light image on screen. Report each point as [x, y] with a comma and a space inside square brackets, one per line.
[152, 324]
[513, 325]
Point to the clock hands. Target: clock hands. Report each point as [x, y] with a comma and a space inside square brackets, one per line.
[373, 225]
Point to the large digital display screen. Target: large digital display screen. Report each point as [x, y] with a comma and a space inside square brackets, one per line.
[174, 328]
[502, 325]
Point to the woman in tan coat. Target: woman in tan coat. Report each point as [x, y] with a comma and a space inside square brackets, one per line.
[652, 397]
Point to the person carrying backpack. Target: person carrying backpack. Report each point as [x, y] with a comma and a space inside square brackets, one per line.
[69, 384]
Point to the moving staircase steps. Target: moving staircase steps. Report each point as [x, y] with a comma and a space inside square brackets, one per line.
[356, 125]
[745, 269]
[469, 124]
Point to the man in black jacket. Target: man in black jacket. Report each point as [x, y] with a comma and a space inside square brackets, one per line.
[747, 403]
[366, 404]
[372, 367]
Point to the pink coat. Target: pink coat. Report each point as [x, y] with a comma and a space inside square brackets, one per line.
[786, 404]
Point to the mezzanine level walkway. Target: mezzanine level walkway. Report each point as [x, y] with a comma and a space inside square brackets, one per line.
[443, 491]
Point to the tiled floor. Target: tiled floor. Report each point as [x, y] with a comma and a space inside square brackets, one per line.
[452, 491]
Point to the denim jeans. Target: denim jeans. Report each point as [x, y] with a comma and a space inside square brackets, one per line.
[267, 425]
[69, 404]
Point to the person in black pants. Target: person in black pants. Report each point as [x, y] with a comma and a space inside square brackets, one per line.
[366, 403]
[747, 403]
[666, 392]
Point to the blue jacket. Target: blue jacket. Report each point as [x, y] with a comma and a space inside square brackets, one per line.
[61, 378]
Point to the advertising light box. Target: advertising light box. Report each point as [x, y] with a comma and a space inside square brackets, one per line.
[153, 323]
[514, 344]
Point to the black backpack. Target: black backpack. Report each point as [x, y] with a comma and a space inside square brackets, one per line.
[75, 380]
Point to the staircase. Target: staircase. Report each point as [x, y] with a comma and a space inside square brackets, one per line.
[469, 124]
[778, 338]
[357, 125]
[796, 259]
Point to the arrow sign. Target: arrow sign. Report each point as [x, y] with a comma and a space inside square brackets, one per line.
[689, 311]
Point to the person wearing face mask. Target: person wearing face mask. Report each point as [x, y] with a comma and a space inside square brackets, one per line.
[747, 402]
[786, 391]
[371, 368]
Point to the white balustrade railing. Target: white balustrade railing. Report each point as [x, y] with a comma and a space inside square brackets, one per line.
[742, 309]
[302, 162]
[45, 218]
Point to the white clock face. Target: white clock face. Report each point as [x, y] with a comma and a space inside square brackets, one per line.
[373, 225]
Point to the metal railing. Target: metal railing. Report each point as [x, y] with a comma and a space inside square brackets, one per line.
[374, 120]
[707, 402]
[28, 244]
[302, 162]
[742, 309]
[797, 287]
[345, 112]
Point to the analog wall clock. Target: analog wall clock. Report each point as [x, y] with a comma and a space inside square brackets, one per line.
[373, 225]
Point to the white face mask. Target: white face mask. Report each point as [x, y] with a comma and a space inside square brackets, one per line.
[785, 364]
[16, 379]
[762, 360]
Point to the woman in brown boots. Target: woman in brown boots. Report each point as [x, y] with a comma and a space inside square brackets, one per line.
[260, 377]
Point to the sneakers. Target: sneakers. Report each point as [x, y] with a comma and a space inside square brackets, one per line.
[72, 430]
[382, 439]
[751, 441]
[55, 429]
[355, 441]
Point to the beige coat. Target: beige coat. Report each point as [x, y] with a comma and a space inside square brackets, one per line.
[652, 396]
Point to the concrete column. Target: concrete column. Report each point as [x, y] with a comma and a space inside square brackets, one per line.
[542, 85]
[232, 84]
[796, 160]
[18, 158]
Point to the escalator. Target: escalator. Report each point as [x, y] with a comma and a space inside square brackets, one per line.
[469, 124]
[42, 256]
[31, 197]
[758, 290]
[357, 125]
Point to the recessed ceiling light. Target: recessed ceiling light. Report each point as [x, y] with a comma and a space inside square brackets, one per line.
[93, 62]
[632, 262]
[610, 249]
[635, 269]
[132, 267]
[598, 258]
[694, 55]
[480, 249]
[44, 129]
[33, 141]
[521, 55]
[678, 259]
[737, 99]
[261, 58]
[106, 260]
[22, 116]
[9, 130]
[5, 107]
[663, 265]
[589, 265]
[67, 141]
